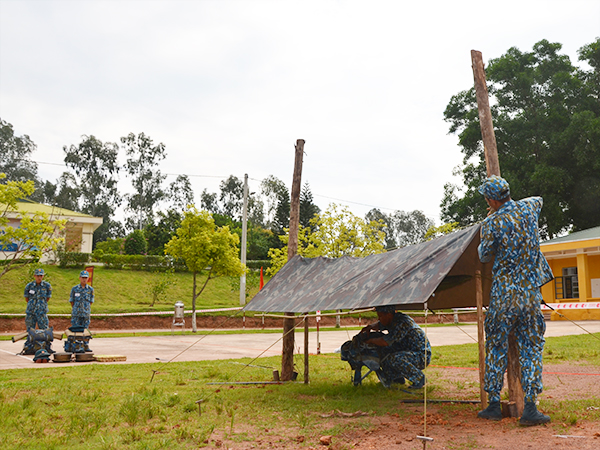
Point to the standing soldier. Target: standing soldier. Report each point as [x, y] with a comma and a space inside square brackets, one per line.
[510, 236]
[37, 293]
[81, 298]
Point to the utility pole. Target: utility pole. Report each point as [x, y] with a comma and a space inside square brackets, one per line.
[513, 371]
[287, 357]
[244, 245]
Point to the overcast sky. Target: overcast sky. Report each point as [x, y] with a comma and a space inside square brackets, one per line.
[229, 86]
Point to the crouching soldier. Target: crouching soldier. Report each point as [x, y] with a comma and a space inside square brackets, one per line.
[399, 354]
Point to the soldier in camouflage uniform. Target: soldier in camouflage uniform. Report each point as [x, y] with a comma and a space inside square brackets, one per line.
[81, 298]
[510, 234]
[403, 351]
[37, 293]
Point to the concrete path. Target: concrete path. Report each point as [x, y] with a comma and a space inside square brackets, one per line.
[150, 349]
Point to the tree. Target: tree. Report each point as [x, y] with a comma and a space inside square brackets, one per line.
[337, 232]
[15, 154]
[35, 234]
[232, 197]
[142, 166]
[180, 193]
[402, 228]
[135, 243]
[95, 165]
[160, 233]
[204, 246]
[308, 209]
[547, 123]
[278, 204]
[64, 194]
[209, 202]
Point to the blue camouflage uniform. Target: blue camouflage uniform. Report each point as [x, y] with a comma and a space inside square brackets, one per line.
[511, 235]
[81, 299]
[37, 304]
[408, 351]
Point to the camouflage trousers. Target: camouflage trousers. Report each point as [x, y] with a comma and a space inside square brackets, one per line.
[80, 321]
[41, 319]
[406, 364]
[526, 320]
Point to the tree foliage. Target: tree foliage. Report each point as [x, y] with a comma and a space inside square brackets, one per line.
[142, 166]
[95, 165]
[159, 232]
[204, 246]
[180, 194]
[402, 228]
[546, 118]
[335, 233]
[33, 235]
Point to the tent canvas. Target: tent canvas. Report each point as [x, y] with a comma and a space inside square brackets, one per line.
[439, 273]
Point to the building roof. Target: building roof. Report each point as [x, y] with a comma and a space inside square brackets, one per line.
[30, 207]
[583, 235]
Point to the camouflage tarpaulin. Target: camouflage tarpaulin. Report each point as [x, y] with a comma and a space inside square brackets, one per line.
[440, 272]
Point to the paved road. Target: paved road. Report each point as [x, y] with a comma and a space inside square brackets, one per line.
[148, 349]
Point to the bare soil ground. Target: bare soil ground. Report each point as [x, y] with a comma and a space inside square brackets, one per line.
[452, 426]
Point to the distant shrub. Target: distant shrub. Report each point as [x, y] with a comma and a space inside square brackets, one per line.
[113, 246]
[258, 263]
[73, 259]
[142, 262]
[135, 243]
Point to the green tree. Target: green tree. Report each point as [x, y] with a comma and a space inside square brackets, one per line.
[135, 243]
[402, 228]
[35, 235]
[142, 166]
[337, 232]
[308, 209]
[96, 167]
[278, 206]
[547, 123]
[15, 155]
[232, 197]
[159, 233]
[204, 246]
[180, 194]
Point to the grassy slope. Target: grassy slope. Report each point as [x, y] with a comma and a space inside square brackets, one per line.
[120, 291]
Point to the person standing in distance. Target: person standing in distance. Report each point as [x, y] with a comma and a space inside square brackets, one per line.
[81, 298]
[37, 293]
[510, 236]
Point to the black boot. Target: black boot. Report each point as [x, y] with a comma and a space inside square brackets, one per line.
[492, 412]
[531, 416]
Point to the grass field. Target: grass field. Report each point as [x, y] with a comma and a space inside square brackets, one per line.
[153, 406]
[120, 291]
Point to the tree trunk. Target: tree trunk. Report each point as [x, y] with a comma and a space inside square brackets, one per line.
[194, 329]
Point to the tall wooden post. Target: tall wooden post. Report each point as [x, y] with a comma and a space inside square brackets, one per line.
[515, 390]
[287, 357]
[480, 336]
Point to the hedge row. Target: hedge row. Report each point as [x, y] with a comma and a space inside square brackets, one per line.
[137, 262]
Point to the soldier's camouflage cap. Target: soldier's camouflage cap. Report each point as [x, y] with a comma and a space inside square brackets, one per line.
[84, 274]
[386, 309]
[495, 188]
[39, 272]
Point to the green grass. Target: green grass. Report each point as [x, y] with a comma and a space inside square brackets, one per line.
[153, 406]
[118, 291]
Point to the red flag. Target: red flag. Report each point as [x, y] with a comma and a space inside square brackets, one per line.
[262, 282]
[90, 270]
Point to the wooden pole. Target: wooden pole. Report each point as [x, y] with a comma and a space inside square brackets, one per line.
[306, 377]
[515, 390]
[287, 357]
[480, 337]
[485, 115]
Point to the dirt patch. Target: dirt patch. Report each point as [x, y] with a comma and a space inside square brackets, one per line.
[139, 322]
[451, 425]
